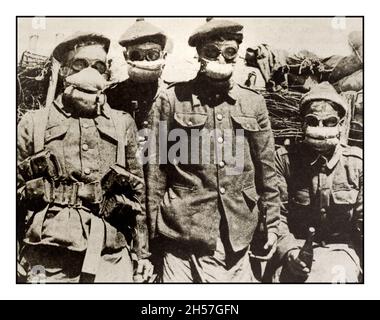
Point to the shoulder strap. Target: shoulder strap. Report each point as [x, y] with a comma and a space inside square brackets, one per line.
[121, 137]
[40, 120]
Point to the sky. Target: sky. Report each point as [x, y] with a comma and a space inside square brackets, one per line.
[323, 36]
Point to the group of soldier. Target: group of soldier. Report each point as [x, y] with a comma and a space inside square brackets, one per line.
[90, 210]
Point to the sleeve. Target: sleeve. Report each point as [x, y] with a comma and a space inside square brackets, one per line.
[156, 174]
[358, 221]
[24, 145]
[140, 234]
[263, 150]
[286, 240]
[24, 150]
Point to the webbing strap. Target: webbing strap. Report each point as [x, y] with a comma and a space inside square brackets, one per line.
[121, 139]
[40, 120]
[94, 246]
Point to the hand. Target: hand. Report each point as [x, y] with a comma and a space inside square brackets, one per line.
[144, 270]
[295, 265]
[271, 245]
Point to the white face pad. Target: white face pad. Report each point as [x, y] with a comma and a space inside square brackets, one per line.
[145, 71]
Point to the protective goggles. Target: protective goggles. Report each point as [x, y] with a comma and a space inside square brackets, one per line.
[81, 63]
[141, 54]
[314, 121]
[212, 51]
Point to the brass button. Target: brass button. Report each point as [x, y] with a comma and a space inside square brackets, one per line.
[145, 123]
[85, 147]
[323, 210]
[220, 139]
[87, 171]
[85, 125]
[190, 123]
[222, 190]
[219, 117]
[221, 164]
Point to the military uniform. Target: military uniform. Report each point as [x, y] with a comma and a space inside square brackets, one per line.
[328, 195]
[130, 96]
[324, 192]
[135, 98]
[63, 227]
[200, 207]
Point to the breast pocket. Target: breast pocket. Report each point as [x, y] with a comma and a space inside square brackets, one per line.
[344, 196]
[55, 133]
[248, 123]
[190, 120]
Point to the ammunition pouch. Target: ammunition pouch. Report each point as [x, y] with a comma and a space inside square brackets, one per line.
[73, 194]
[121, 200]
[41, 164]
[119, 205]
[119, 181]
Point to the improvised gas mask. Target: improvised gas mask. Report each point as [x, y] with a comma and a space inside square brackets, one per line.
[218, 59]
[83, 88]
[145, 64]
[322, 127]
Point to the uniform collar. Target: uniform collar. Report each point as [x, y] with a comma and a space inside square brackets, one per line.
[199, 93]
[330, 164]
[105, 109]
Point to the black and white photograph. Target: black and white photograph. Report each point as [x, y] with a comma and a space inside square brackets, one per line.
[206, 149]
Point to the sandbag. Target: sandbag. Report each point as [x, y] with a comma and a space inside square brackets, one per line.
[353, 82]
[346, 66]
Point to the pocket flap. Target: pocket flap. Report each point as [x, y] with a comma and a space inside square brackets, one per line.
[345, 196]
[247, 123]
[190, 120]
[302, 197]
[56, 132]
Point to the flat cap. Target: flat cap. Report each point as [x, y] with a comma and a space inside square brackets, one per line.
[142, 31]
[212, 28]
[323, 91]
[79, 37]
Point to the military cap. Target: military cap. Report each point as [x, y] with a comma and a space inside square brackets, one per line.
[142, 31]
[213, 28]
[79, 37]
[323, 91]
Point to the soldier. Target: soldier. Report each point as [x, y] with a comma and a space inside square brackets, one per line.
[321, 186]
[78, 178]
[145, 46]
[203, 215]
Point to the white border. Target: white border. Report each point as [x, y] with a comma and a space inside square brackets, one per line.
[8, 289]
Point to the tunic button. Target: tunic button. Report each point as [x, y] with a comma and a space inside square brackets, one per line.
[85, 125]
[173, 196]
[220, 139]
[222, 190]
[221, 164]
[219, 116]
[323, 210]
[87, 171]
[85, 147]
[190, 123]
[145, 123]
